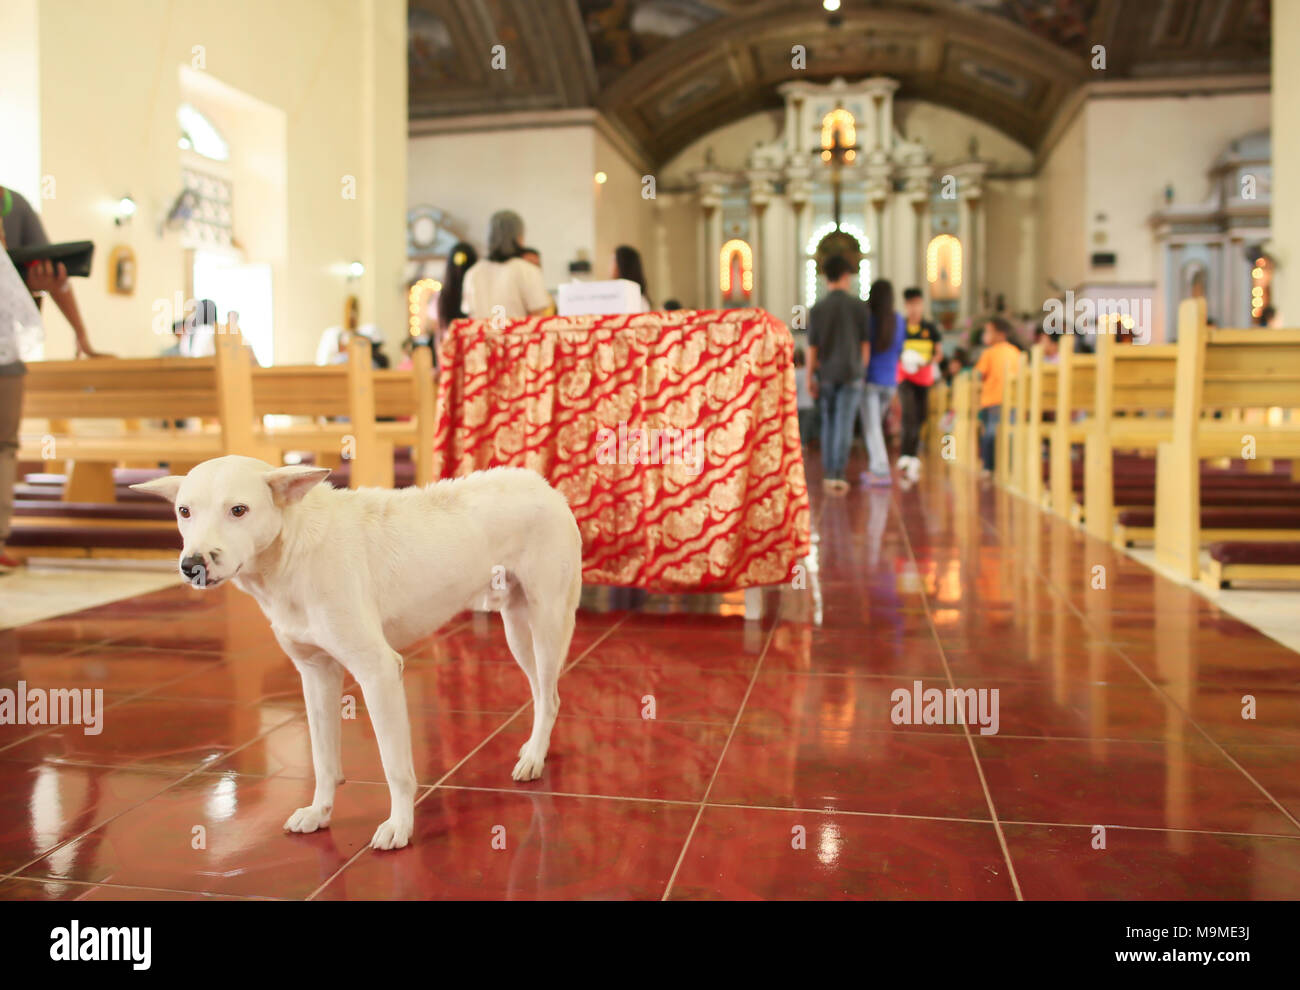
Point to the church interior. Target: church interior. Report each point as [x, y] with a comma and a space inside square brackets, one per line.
[894, 358]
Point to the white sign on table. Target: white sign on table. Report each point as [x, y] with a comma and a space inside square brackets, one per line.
[599, 298]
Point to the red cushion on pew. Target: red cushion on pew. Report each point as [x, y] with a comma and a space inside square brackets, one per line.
[1264, 552]
[100, 537]
[1220, 517]
[54, 493]
[1265, 497]
[44, 508]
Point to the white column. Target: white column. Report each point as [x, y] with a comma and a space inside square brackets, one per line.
[1284, 245]
[964, 235]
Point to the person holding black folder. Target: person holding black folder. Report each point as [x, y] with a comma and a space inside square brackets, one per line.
[21, 227]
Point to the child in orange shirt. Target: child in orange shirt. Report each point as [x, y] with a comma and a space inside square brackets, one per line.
[999, 357]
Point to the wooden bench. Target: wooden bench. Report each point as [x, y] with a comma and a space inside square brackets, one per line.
[233, 395]
[1220, 371]
[169, 389]
[1076, 385]
[405, 398]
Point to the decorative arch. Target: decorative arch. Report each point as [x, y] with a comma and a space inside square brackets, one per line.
[810, 260]
[736, 271]
[419, 298]
[943, 267]
[843, 121]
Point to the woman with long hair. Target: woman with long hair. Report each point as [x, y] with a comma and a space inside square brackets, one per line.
[505, 285]
[462, 258]
[627, 264]
[887, 335]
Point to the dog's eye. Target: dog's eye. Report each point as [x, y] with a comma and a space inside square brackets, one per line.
[239, 510]
[183, 512]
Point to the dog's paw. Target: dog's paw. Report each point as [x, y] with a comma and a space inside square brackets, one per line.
[530, 764]
[392, 834]
[308, 819]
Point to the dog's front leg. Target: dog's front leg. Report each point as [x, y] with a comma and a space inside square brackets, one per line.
[380, 675]
[322, 688]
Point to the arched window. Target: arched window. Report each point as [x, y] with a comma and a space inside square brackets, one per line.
[943, 267]
[200, 136]
[840, 120]
[810, 260]
[736, 271]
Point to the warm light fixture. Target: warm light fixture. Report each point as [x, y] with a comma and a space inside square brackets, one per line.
[125, 210]
[831, 5]
[733, 247]
[932, 254]
[356, 269]
[601, 178]
[417, 300]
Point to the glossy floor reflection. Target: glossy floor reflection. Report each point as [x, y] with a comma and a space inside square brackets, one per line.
[697, 755]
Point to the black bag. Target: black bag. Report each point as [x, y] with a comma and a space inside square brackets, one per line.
[74, 256]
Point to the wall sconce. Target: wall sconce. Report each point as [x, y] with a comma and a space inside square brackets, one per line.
[601, 178]
[125, 211]
[356, 270]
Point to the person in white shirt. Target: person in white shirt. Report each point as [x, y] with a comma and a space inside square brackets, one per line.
[627, 264]
[504, 284]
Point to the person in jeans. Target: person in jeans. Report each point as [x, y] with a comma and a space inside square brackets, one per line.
[995, 364]
[887, 335]
[20, 316]
[839, 347]
[922, 351]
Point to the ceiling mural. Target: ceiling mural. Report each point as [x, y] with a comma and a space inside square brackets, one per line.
[663, 72]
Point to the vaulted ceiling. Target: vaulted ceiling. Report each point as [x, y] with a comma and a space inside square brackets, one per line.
[664, 72]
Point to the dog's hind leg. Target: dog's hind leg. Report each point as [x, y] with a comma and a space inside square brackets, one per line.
[552, 626]
[519, 636]
[322, 687]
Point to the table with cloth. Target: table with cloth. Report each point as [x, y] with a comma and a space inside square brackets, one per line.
[674, 436]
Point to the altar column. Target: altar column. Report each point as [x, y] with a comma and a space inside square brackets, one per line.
[712, 185]
[970, 231]
[760, 196]
[800, 193]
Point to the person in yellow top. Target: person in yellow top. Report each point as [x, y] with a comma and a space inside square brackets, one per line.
[994, 365]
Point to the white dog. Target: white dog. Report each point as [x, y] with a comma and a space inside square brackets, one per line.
[348, 578]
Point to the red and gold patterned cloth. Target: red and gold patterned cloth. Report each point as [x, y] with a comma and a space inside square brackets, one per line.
[674, 436]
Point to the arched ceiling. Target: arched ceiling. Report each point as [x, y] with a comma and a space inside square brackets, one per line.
[665, 72]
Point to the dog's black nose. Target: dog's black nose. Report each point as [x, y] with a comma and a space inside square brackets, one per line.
[194, 568]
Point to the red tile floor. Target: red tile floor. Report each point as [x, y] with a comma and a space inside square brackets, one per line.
[771, 768]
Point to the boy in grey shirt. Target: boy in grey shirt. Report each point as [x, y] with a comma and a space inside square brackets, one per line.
[839, 346]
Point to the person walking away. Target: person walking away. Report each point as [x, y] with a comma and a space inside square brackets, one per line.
[839, 347]
[922, 352]
[998, 358]
[887, 335]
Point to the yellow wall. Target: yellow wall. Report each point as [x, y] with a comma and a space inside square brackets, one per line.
[623, 216]
[1061, 211]
[1286, 163]
[109, 88]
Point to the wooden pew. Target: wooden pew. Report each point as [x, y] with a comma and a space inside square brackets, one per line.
[1013, 413]
[215, 388]
[1075, 392]
[1039, 400]
[364, 396]
[965, 426]
[1219, 370]
[1132, 410]
[228, 390]
[940, 403]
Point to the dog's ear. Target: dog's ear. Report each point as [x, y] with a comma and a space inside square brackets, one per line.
[163, 487]
[291, 483]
